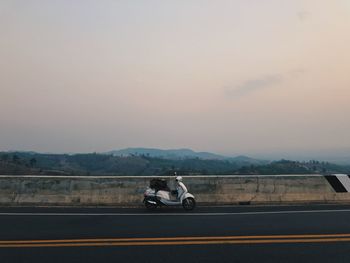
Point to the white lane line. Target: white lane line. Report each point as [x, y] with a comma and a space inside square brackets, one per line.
[178, 214]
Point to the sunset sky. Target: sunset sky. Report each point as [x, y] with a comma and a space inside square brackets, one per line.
[232, 77]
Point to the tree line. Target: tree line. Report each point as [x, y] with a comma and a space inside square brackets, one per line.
[19, 163]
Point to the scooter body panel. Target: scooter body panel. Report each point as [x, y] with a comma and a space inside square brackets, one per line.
[186, 195]
[164, 198]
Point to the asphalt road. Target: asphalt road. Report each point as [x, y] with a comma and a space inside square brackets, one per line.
[318, 233]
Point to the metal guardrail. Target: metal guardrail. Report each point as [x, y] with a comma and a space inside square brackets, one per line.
[146, 177]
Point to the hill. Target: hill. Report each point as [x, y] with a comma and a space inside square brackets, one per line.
[21, 163]
[167, 154]
[180, 154]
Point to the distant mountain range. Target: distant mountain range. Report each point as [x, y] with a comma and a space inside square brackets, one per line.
[145, 162]
[340, 156]
[180, 154]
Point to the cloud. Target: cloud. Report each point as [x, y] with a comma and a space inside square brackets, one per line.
[254, 85]
[296, 73]
[303, 15]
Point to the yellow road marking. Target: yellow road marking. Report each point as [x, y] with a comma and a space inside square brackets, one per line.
[308, 238]
[198, 242]
[175, 238]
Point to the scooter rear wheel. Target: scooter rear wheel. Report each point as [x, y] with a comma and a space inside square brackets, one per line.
[150, 203]
[150, 206]
[189, 204]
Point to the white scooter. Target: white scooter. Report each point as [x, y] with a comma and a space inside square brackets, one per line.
[158, 194]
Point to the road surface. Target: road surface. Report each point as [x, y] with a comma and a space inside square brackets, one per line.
[318, 233]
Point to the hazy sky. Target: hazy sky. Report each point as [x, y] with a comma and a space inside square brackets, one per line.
[230, 76]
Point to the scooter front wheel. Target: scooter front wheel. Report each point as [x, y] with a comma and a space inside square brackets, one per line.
[189, 204]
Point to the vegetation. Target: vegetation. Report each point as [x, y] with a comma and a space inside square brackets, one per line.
[21, 163]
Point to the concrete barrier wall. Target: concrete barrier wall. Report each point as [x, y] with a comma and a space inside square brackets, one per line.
[111, 190]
